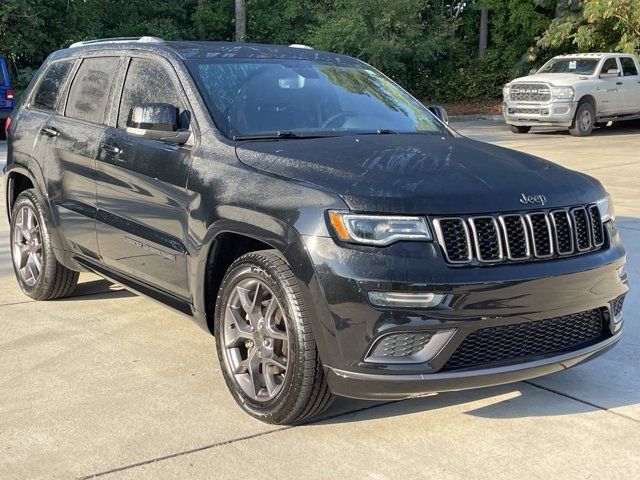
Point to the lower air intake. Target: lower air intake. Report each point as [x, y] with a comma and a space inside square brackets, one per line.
[518, 341]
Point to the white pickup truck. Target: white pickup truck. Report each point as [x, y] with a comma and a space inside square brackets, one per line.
[576, 91]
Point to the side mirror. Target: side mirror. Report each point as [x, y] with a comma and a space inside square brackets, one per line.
[611, 73]
[533, 71]
[156, 121]
[439, 112]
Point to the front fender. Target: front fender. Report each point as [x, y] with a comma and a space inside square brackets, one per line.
[282, 237]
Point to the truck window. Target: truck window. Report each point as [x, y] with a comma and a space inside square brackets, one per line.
[629, 68]
[90, 89]
[610, 66]
[48, 91]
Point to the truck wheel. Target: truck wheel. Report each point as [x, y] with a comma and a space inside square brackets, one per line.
[2, 135]
[265, 344]
[37, 270]
[584, 120]
[519, 129]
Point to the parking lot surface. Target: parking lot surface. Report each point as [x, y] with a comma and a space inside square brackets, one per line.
[111, 385]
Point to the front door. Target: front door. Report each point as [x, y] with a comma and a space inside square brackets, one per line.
[141, 188]
[608, 91]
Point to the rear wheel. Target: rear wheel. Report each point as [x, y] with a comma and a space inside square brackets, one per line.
[584, 120]
[519, 129]
[37, 270]
[265, 344]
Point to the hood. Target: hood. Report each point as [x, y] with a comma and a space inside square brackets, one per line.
[417, 174]
[556, 79]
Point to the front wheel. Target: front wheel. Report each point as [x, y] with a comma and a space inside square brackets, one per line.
[37, 270]
[519, 129]
[584, 120]
[265, 344]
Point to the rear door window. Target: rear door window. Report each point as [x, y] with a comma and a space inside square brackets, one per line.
[629, 68]
[148, 82]
[48, 91]
[90, 89]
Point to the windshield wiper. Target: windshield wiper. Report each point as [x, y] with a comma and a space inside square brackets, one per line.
[282, 135]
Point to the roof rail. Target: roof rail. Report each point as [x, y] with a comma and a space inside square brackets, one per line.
[143, 39]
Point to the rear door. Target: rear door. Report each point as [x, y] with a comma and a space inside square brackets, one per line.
[609, 90]
[631, 85]
[71, 157]
[142, 196]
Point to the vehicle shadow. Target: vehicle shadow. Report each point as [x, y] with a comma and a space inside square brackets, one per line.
[97, 290]
[616, 129]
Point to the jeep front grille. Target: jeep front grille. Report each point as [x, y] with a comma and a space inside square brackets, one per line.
[530, 92]
[514, 237]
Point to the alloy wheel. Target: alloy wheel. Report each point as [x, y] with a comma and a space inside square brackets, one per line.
[255, 340]
[27, 246]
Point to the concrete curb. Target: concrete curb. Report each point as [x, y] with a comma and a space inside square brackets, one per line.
[479, 116]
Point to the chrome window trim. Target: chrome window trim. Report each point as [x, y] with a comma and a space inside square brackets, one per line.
[443, 245]
[476, 240]
[533, 236]
[501, 219]
[555, 231]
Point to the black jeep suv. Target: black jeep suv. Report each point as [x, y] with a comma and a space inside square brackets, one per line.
[336, 236]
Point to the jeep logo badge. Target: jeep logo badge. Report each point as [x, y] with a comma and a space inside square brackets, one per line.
[533, 199]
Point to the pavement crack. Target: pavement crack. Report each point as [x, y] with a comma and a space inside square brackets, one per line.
[576, 399]
[229, 442]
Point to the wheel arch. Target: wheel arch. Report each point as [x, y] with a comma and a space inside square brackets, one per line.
[227, 240]
[588, 98]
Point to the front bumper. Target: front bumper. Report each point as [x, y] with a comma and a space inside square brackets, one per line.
[395, 387]
[558, 113]
[476, 298]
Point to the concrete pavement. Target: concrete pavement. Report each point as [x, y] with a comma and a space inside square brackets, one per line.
[109, 384]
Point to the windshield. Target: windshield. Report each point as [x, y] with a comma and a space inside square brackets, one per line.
[266, 97]
[579, 66]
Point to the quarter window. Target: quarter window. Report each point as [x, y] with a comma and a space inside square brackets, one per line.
[48, 91]
[90, 89]
[148, 82]
[629, 68]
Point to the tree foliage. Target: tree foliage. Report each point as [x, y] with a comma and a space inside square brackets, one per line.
[429, 46]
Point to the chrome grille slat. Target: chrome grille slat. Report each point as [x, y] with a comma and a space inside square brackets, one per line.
[486, 238]
[530, 92]
[562, 231]
[541, 236]
[517, 237]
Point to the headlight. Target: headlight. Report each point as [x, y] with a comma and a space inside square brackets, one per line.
[505, 92]
[606, 209]
[379, 230]
[566, 93]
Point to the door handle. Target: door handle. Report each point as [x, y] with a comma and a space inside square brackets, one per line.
[619, 83]
[50, 132]
[110, 148]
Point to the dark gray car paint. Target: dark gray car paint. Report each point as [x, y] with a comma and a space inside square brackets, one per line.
[160, 199]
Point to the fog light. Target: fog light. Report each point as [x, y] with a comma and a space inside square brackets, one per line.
[405, 299]
[409, 347]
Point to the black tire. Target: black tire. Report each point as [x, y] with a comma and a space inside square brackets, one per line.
[2, 135]
[584, 120]
[304, 392]
[519, 129]
[54, 279]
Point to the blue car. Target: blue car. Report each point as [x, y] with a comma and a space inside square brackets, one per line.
[6, 95]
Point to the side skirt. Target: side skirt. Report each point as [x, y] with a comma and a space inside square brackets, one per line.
[135, 286]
